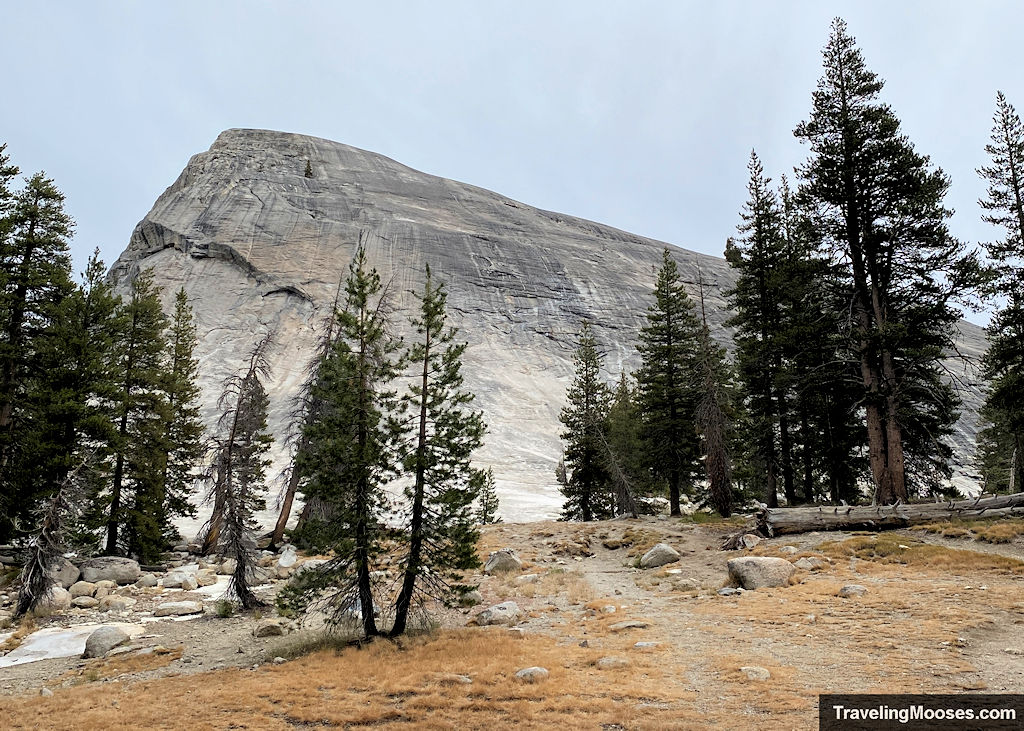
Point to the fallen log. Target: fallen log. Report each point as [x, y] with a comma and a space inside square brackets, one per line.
[780, 521]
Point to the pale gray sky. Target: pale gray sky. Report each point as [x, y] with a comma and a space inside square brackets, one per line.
[636, 114]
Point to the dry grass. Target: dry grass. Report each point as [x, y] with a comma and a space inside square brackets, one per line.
[25, 628]
[384, 685]
[117, 666]
[999, 530]
[884, 548]
[552, 583]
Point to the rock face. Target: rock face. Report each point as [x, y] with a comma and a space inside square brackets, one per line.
[259, 246]
[502, 561]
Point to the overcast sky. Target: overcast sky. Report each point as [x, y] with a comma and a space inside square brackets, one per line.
[640, 115]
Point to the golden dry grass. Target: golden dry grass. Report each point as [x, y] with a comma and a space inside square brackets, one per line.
[999, 530]
[885, 548]
[385, 686]
[26, 627]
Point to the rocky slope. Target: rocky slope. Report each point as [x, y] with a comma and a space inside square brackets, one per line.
[260, 247]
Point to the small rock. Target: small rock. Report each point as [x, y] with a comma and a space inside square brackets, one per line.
[269, 628]
[728, 591]
[82, 588]
[283, 572]
[611, 663]
[228, 567]
[504, 613]
[755, 672]
[852, 590]
[103, 640]
[584, 643]
[84, 602]
[112, 568]
[1013, 651]
[453, 679]
[146, 581]
[756, 572]
[628, 624]
[57, 599]
[646, 645]
[532, 675]
[471, 598]
[279, 660]
[517, 632]
[288, 557]
[180, 580]
[45, 692]
[810, 563]
[206, 577]
[528, 579]
[750, 540]
[659, 555]
[502, 561]
[175, 609]
[64, 572]
[608, 609]
[686, 585]
[788, 549]
[106, 584]
[115, 603]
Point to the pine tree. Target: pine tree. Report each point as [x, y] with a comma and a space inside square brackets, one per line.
[668, 400]
[238, 471]
[487, 497]
[588, 484]
[714, 416]
[183, 428]
[879, 207]
[35, 276]
[442, 534]
[350, 451]
[1002, 443]
[135, 501]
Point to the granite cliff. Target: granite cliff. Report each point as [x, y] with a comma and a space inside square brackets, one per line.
[260, 246]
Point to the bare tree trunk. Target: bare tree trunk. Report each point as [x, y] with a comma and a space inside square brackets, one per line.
[286, 508]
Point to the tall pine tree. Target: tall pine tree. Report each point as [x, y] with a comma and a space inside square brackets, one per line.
[878, 206]
[587, 487]
[442, 534]
[666, 381]
[1002, 440]
[351, 450]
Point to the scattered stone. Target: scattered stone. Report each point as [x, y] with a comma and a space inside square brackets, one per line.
[646, 645]
[1013, 651]
[180, 580]
[504, 613]
[103, 640]
[115, 603]
[852, 590]
[756, 572]
[810, 563]
[517, 632]
[686, 585]
[471, 598]
[269, 628]
[628, 624]
[453, 679]
[206, 577]
[65, 572]
[267, 560]
[309, 565]
[111, 568]
[612, 663]
[45, 692]
[176, 609]
[228, 567]
[84, 602]
[755, 672]
[750, 540]
[584, 643]
[608, 609]
[82, 588]
[528, 579]
[283, 572]
[146, 581]
[728, 591]
[279, 660]
[502, 561]
[57, 599]
[532, 675]
[788, 549]
[660, 555]
[288, 557]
